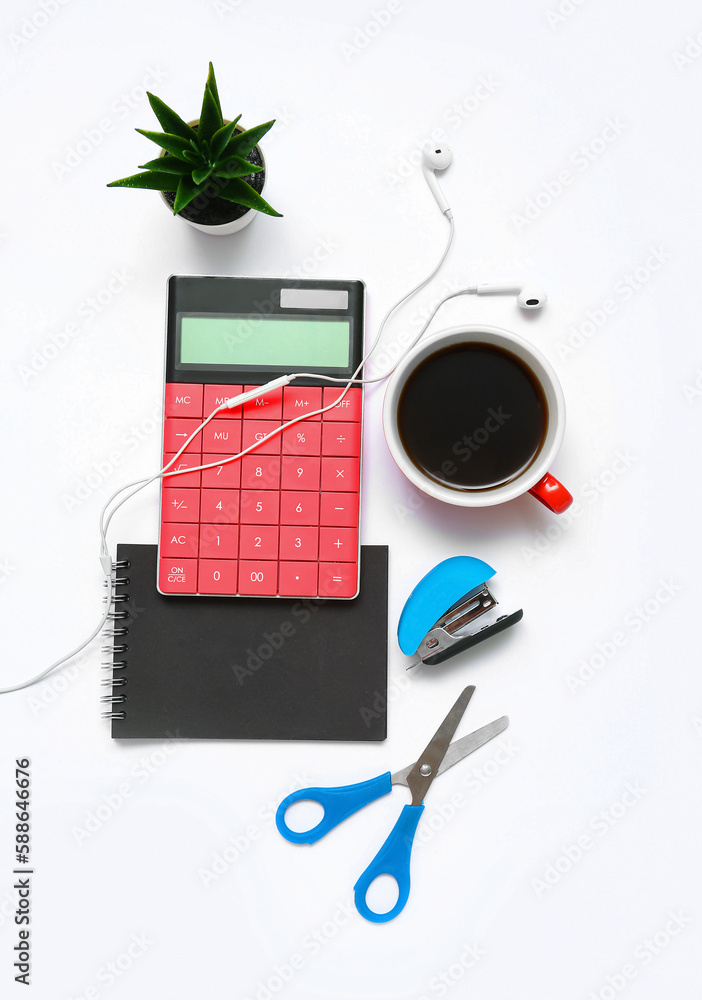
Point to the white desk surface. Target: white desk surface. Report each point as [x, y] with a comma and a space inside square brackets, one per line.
[504, 902]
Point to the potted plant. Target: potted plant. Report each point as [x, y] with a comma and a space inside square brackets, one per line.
[211, 172]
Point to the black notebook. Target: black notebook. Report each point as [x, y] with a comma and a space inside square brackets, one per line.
[247, 668]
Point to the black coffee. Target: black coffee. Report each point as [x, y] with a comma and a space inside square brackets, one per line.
[472, 416]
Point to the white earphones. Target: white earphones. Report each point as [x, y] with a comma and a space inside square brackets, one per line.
[436, 157]
[528, 296]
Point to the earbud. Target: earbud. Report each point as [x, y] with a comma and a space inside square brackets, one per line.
[436, 156]
[528, 296]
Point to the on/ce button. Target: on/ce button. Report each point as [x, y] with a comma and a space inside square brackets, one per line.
[177, 576]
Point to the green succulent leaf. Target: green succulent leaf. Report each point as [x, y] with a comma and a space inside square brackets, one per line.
[171, 143]
[187, 190]
[191, 157]
[210, 117]
[154, 180]
[244, 142]
[200, 174]
[222, 137]
[169, 164]
[236, 166]
[170, 122]
[243, 194]
[211, 84]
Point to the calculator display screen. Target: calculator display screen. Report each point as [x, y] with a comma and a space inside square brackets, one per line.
[255, 341]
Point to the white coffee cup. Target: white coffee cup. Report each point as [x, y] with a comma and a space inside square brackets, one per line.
[535, 479]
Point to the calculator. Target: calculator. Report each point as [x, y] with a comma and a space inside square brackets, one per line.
[283, 520]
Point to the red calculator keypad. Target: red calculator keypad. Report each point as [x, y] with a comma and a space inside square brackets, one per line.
[280, 521]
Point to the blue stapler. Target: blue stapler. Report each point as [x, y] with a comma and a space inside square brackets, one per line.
[440, 615]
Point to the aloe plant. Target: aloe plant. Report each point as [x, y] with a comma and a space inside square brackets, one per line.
[209, 159]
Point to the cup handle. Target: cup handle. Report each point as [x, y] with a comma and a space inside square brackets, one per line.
[552, 494]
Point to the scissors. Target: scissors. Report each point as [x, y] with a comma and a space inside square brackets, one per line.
[339, 803]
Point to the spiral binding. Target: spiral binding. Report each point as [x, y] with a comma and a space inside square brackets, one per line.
[114, 632]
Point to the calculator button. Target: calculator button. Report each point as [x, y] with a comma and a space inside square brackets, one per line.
[268, 407]
[183, 400]
[340, 474]
[219, 541]
[338, 544]
[341, 439]
[176, 431]
[298, 400]
[222, 437]
[297, 579]
[191, 479]
[349, 408]
[339, 509]
[258, 578]
[300, 473]
[217, 576]
[179, 540]
[338, 579]
[225, 476]
[299, 508]
[219, 507]
[258, 541]
[177, 576]
[180, 505]
[215, 395]
[260, 472]
[260, 507]
[253, 432]
[298, 543]
[304, 438]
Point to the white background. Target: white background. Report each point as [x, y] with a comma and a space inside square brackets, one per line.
[518, 91]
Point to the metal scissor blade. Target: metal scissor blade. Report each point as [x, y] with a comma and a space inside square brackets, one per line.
[460, 748]
[427, 765]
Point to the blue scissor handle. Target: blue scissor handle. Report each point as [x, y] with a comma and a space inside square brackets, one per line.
[338, 803]
[393, 858]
